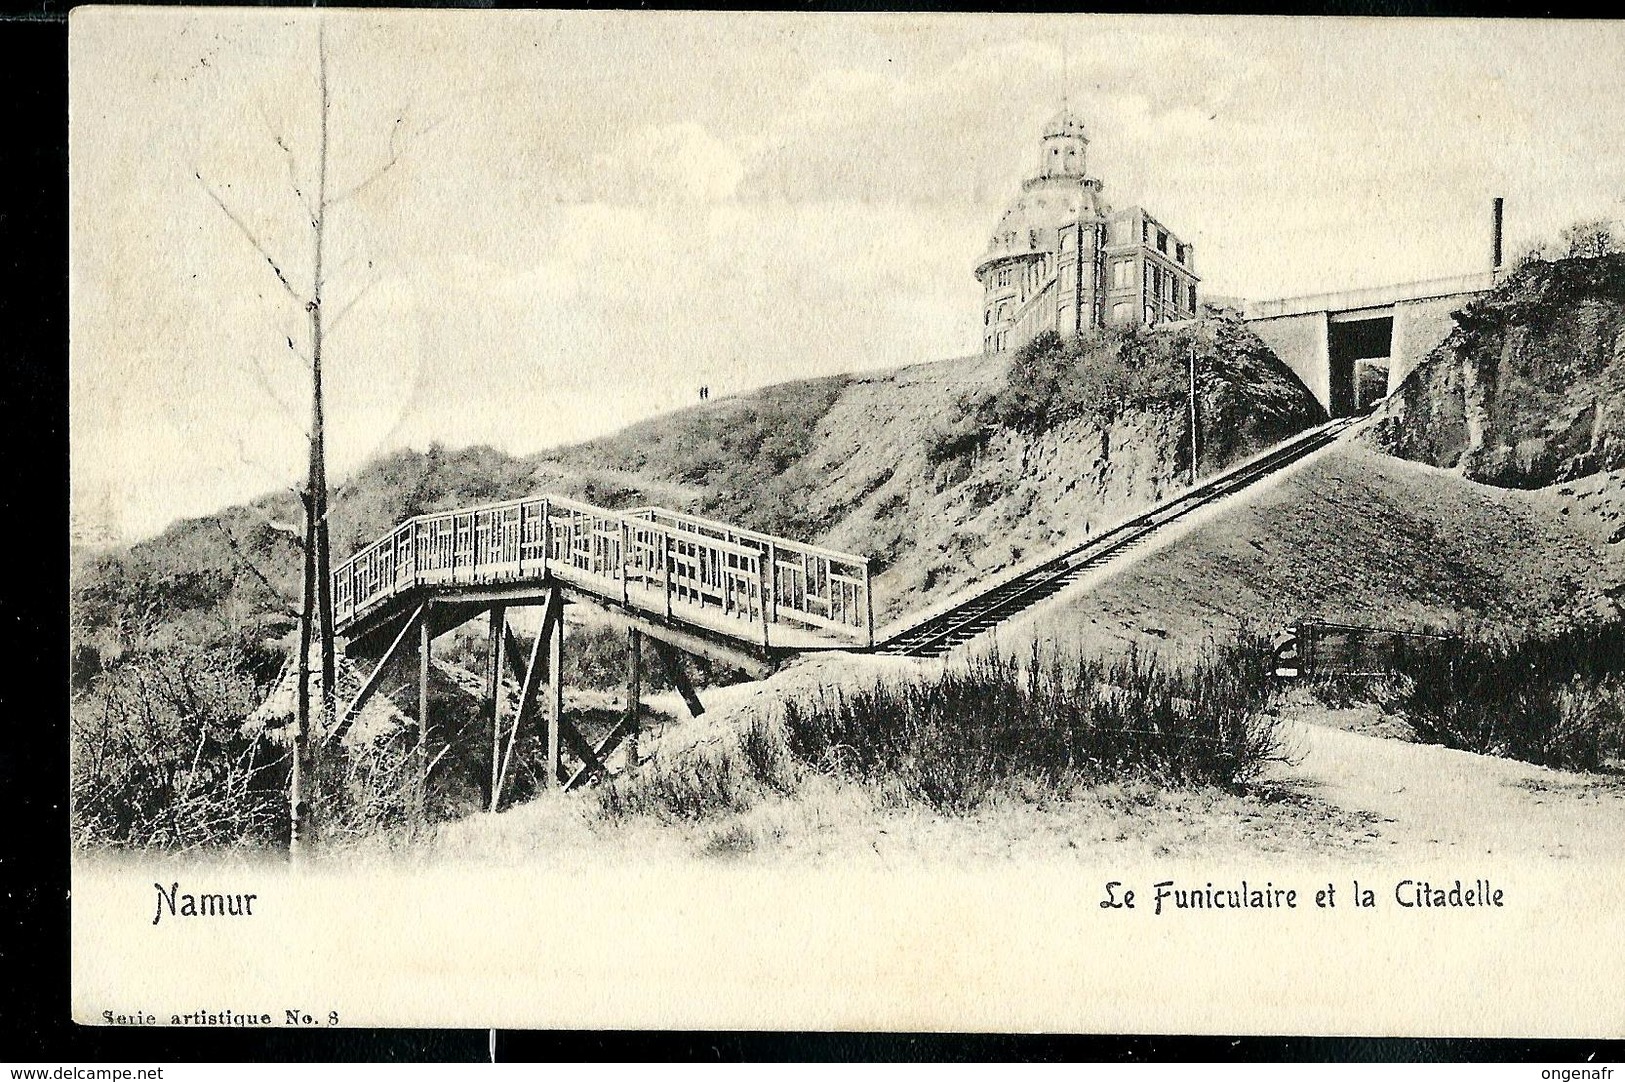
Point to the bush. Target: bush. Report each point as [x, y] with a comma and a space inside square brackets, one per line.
[952, 740]
[1556, 699]
[159, 757]
[692, 786]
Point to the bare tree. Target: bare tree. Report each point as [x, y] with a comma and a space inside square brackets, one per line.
[316, 606]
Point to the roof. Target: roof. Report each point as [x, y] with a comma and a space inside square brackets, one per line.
[1066, 122]
[1033, 220]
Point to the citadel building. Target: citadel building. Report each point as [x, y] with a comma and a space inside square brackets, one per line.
[1061, 259]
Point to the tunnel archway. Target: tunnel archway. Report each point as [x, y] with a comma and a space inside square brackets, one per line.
[1359, 351]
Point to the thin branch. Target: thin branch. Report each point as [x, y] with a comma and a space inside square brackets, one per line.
[396, 149]
[264, 380]
[252, 239]
[333, 323]
[288, 159]
[296, 350]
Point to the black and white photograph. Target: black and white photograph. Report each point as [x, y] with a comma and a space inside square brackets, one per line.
[847, 521]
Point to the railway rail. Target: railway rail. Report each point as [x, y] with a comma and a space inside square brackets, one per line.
[971, 617]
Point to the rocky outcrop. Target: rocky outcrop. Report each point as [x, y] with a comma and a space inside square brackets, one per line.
[1529, 388]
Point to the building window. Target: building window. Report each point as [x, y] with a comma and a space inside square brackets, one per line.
[1120, 312]
[1145, 232]
[1193, 298]
[1150, 315]
[1162, 242]
[1122, 274]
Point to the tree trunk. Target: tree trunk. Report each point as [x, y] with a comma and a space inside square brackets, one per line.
[302, 780]
[318, 439]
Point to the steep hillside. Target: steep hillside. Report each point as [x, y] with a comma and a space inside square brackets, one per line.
[939, 471]
[1529, 388]
[1355, 536]
[946, 471]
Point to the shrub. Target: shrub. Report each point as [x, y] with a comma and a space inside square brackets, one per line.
[1099, 375]
[964, 433]
[952, 740]
[691, 786]
[1556, 699]
[957, 736]
[159, 757]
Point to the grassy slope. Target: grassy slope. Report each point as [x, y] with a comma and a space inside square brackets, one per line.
[1351, 535]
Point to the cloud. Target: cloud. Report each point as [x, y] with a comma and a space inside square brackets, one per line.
[672, 162]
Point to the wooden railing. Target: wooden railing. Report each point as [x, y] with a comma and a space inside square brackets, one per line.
[739, 582]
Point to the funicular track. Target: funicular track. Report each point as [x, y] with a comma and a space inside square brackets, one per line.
[940, 632]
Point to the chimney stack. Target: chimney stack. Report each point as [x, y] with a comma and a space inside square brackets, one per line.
[1496, 235]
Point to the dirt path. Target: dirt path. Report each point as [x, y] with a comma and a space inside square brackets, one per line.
[1434, 800]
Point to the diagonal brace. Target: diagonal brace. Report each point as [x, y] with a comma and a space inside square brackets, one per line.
[530, 680]
[593, 758]
[671, 663]
[377, 677]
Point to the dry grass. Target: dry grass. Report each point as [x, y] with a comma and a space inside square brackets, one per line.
[967, 735]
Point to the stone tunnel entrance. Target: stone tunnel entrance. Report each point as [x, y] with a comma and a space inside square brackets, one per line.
[1358, 350]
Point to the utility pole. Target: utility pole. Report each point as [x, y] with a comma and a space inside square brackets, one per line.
[318, 436]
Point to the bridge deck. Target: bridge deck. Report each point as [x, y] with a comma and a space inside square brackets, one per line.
[769, 593]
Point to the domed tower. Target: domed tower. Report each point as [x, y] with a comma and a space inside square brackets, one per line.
[1037, 271]
[1065, 147]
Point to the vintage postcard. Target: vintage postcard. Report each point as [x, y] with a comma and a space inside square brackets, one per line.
[847, 521]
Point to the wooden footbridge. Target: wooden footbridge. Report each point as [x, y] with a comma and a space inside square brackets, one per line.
[690, 584]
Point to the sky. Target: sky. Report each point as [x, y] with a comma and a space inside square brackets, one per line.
[591, 214]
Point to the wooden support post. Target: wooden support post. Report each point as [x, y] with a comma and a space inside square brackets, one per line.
[634, 695]
[420, 754]
[547, 534]
[761, 593]
[555, 698]
[772, 581]
[868, 602]
[527, 695]
[1193, 421]
[665, 568]
[626, 562]
[493, 690]
[529, 680]
[519, 545]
